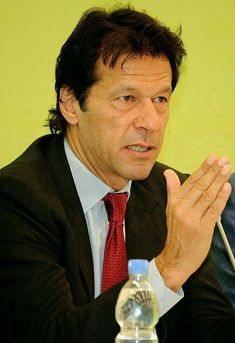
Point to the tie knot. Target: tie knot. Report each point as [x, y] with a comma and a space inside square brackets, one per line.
[115, 204]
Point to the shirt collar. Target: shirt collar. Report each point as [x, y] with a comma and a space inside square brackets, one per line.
[89, 187]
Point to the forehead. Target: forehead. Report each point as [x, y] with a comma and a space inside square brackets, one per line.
[137, 69]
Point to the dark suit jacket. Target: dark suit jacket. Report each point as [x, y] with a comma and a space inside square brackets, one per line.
[222, 266]
[46, 272]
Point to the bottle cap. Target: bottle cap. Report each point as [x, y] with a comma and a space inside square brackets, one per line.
[137, 266]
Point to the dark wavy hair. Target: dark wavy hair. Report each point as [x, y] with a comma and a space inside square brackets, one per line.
[108, 35]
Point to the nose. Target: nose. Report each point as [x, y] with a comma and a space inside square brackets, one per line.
[147, 117]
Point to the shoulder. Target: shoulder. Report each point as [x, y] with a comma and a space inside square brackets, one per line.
[230, 206]
[33, 156]
[232, 181]
[231, 201]
[29, 174]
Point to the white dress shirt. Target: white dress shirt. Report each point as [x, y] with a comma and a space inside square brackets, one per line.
[91, 191]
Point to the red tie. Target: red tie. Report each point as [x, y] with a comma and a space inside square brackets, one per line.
[115, 258]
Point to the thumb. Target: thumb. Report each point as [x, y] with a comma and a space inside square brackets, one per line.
[172, 182]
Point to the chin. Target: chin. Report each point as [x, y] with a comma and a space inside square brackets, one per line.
[141, 175]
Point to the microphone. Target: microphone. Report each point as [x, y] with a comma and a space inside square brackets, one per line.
[226, 242]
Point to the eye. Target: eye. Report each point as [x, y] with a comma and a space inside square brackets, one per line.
[160, 99]
[127, 98]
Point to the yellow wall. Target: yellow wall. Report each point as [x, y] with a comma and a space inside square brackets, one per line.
[202, 110]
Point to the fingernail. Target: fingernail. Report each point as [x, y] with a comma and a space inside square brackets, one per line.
[222, 161]
[211, 159]
[226, 187]
[225, 170]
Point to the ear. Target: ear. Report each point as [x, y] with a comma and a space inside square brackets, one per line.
[69, 106]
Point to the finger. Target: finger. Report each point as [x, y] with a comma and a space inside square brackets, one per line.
[211, 193]
[172, 182]
[202, 178]
[198, 174]
[216, 208]
[205, 190]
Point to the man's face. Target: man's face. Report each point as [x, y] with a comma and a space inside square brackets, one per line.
[120, 134]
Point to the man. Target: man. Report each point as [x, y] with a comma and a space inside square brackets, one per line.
[222, 267]
[114, 79]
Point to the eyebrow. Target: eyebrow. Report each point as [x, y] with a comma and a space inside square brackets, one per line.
[122, 88]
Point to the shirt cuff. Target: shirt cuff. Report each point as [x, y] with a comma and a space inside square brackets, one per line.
[165, 296]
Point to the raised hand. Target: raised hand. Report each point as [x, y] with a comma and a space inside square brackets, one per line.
[192, 211]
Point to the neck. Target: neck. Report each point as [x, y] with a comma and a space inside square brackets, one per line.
[115, 183]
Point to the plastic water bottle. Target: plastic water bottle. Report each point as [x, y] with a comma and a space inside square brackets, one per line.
[137, 308]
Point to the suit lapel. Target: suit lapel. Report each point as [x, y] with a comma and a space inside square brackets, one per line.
[145, 223]
[65, 186]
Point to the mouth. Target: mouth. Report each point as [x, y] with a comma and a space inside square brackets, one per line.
[139, 148]
[141, 153]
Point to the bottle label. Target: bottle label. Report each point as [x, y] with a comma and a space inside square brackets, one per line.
[139, 309]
